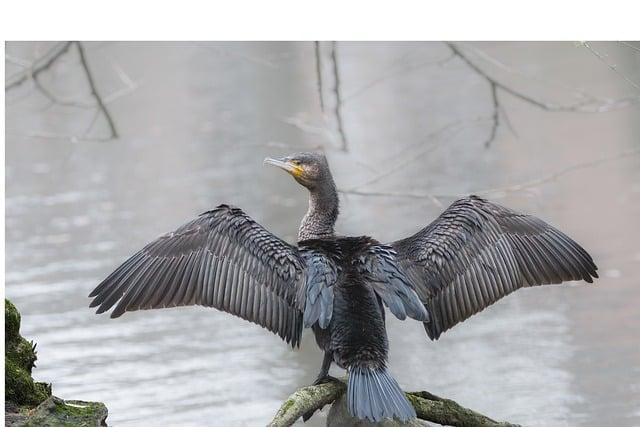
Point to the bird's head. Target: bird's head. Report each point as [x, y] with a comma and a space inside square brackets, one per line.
[309, 169]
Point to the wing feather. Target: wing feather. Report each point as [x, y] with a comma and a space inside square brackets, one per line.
[476, 252]
[222, 259]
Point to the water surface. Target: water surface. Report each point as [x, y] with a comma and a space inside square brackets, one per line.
[194, 130]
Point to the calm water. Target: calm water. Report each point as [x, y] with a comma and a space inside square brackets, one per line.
[197, 119]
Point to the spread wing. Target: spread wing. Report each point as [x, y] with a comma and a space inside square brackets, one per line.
[477, 252]
[222, 259]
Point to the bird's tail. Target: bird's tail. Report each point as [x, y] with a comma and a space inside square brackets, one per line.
[374, 394]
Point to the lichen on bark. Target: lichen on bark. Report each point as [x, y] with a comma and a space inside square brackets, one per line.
[429, 408]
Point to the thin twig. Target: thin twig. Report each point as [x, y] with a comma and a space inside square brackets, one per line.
[630, 46]
[316, 46]
[555, 175]
[506, 189]
[611, 66]
[576, 92]
[495, 117]
[395, 73]
[336, 88]
[586, 106]
[40, 64]
[435, 139]
[94, 90]
[63, 137]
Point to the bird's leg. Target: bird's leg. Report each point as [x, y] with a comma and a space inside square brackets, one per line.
[323, 375]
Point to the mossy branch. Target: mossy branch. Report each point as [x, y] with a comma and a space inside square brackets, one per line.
[307, 399]
[428, 407]
[436, 409]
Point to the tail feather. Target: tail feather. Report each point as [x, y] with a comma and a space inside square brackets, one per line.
[375, 395]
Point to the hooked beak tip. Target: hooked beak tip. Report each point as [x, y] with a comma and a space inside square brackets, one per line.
[283, 164]
[275, 162]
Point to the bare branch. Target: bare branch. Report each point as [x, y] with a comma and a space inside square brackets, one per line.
[499, 190]
[395, 73]
[316, 46]
[236, 53]
[39, 65]
[495, 117]
[63, 137]
[448, 412]
[611, 66]
[555, 175]
[338, 109]
[589, 105]
[630, 46]
[576, 92]
[94, 90]
[425, 149]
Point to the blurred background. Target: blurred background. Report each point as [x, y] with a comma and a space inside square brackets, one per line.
[109, 144]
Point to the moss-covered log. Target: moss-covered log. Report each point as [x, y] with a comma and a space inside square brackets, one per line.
[428, 407]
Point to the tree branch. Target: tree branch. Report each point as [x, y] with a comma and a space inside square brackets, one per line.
[316, 46]
[306, 399]
[94, 90]
[611, 66]
[45, 62]
[338, 109]
[41, 64]
[590, 104]
[630, 46]
[428, 407]
[506, 189]
[395, 73]
[495, 117]
[448, 412]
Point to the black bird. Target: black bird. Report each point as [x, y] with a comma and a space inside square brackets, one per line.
[473, 254]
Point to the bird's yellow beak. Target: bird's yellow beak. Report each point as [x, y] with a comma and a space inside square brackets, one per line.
[285, 164]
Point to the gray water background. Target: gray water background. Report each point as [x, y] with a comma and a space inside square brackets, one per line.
[196, 120]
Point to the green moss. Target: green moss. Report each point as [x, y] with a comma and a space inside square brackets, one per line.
[19, 360]
[55, 412]
[29, 403]
[11, 321]
[288, 404]
[83, 409]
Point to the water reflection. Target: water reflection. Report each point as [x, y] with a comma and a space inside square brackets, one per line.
[195, 132]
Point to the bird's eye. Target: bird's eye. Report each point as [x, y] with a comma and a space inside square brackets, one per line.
[296, 162]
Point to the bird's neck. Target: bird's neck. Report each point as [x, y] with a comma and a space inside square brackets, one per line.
[322, 214]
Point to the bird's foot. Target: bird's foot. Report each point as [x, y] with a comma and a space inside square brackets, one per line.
[325, 379]
[322, 379]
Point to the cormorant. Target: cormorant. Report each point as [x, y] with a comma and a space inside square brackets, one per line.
[473, 254]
